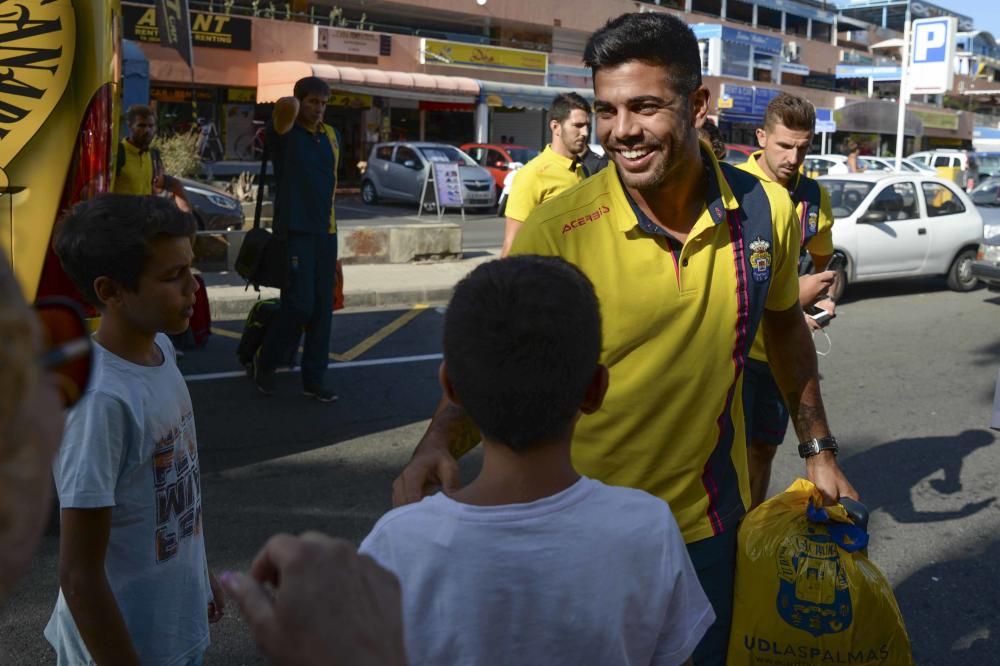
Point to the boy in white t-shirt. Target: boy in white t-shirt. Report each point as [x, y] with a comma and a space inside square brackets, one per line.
[532, 563]
[134, 580]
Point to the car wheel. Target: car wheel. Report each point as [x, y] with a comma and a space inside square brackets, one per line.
[368, 193]
[960, 277]
[839, 283]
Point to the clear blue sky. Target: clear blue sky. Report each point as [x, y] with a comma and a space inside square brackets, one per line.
[984, 13]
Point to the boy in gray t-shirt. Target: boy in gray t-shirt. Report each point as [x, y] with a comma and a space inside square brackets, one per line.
[134, 580]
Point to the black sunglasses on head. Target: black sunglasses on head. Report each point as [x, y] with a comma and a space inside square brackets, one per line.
[67, 346]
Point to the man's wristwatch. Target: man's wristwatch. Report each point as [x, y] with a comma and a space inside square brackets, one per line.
[813, 446]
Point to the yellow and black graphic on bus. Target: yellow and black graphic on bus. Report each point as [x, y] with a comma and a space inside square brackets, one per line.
[37, 44]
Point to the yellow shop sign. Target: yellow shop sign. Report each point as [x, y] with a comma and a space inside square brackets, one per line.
[457, 54]
[37, 44]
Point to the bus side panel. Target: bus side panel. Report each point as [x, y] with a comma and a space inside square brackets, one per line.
[38, 172]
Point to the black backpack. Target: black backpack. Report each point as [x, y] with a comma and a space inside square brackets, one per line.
[254, 329]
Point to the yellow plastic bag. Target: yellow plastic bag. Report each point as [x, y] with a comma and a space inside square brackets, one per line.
[805, 591]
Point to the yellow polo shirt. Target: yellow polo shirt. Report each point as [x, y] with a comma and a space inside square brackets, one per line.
[539, 180]
[136, 174]
[815, 227]
[677, 322]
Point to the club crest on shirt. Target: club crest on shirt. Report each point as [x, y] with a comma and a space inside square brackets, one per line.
[760, 259]
[812, 221]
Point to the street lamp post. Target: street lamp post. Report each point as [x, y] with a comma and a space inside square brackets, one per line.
[904, 93]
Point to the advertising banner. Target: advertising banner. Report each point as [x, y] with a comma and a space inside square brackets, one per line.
[448, 183]
[174, 21]
[457, 54]
[207, 30]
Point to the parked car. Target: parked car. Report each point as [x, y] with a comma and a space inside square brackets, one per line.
[398, 171]
[815, 166]
[950, 163]
[986, 267]
[497, 158]
[874, 163]
[737, 153]
[902, 225]
[988, 165]
[986, 196]
[214, 209]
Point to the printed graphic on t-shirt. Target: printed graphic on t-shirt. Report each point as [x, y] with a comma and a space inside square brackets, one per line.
[177, 481]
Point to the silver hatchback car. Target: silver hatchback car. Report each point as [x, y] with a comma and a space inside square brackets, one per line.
[397, 171]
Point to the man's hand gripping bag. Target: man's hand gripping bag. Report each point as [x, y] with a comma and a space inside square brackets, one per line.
[806, 592]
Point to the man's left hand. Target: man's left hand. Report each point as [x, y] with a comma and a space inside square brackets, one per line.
[822, 469]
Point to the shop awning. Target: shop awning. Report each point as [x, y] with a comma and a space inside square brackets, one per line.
[524, 96]
[276, 80]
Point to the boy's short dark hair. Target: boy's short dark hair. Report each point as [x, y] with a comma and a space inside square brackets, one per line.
[522, 340]
[652, 38]
[310, 85]
[137, 111]
[111, 235]
[563, 105]
[793, 112]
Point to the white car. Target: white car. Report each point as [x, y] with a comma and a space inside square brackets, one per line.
[893, 226]
[873, 163]
[815, 166]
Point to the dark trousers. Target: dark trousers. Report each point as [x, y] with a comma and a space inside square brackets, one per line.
[714, 561]
[306, 303]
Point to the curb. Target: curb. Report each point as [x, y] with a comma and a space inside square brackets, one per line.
[230, 308]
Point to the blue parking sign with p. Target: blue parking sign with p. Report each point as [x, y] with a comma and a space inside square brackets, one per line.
[930, 41]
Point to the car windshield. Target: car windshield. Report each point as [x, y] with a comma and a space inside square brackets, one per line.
[870, 164]
[445, 154]
[522, 155]
[846, 195]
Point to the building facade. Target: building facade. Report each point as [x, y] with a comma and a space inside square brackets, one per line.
[458, 71]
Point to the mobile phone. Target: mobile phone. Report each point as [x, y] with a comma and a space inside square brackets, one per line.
[836, 263]
[819, 315]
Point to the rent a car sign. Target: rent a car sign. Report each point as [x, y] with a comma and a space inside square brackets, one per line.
[932, 55]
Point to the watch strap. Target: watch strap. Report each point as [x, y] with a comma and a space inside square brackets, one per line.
[816, 445]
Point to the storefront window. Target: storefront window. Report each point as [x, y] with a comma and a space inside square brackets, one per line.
[736, 60]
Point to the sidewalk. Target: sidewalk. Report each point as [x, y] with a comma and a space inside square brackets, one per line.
[365, 285]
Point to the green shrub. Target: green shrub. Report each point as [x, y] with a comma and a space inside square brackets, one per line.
[180, 154]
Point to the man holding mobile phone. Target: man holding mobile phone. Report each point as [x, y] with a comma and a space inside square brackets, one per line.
[785, 139]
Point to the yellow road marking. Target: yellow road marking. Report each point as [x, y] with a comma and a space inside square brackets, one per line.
[383, 333]
[363, 346]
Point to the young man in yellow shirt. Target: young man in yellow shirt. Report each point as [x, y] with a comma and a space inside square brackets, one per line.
[785, 139]
[688, 258]
[556, 169]
[138, 167]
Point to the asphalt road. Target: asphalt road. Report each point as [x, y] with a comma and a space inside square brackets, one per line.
[908, 384]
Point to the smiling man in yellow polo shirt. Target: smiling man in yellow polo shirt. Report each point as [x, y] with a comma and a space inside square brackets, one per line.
[556, 168]
[688, 258]
[785, 139]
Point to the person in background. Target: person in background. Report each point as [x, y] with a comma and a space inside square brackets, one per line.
[710, 134]
[785, 140]
[138, 166]
[555, 169]
[306, 153]
[134, 584]
[688, 258]
[971, 173]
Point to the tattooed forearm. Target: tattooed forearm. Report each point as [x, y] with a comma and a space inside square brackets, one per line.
[809, 420]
